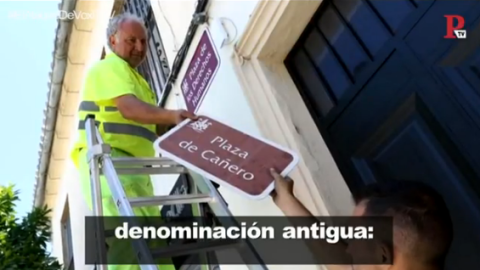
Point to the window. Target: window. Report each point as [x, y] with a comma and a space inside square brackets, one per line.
[67, 242]
[155, 69]
[103, 54]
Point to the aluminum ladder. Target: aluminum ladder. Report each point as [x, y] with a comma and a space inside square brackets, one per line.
[100, 162]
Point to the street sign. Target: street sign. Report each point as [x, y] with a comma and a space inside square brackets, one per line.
[200, 72]
[227, 156]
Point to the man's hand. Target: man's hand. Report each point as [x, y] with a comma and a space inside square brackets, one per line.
[284, 199]
[283, 187]
[136, 110]
[291, 207]
[179, 115]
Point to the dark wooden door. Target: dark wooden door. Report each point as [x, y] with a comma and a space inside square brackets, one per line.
[370, 73]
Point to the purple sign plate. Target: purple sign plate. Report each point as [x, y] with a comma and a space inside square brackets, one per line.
[227, 156]
[200, 73]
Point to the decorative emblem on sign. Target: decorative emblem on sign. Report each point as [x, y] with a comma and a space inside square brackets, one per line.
[201, 125]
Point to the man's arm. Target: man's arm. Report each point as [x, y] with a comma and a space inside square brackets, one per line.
[136, 110]
[300, 216]
[113, 81]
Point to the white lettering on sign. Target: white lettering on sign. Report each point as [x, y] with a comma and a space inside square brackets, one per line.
[199, 75]
[225, 163]
[197, 62]
[196, 98]
[203, 67]
[185, 87]
[223, 144]
[213, 158]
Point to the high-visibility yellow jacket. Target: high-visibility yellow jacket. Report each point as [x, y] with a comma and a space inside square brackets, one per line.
[110, 78]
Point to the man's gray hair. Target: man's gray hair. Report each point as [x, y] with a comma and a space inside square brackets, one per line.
[116, 21]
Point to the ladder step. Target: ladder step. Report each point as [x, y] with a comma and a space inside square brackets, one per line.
[151, 170]
[128, 161]
[170, 199]
[194, 248]
[150, 166]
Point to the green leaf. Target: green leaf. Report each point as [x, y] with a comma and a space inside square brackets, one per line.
[23, 243]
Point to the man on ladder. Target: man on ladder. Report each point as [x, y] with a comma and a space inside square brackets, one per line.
[129, 120]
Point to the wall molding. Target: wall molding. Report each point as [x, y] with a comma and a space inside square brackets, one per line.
[277, 106]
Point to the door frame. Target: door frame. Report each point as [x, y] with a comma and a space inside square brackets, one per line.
[277, 106]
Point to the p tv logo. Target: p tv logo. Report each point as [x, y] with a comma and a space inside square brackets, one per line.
[455, 25]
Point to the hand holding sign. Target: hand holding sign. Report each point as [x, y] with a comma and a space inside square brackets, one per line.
[283, 186]
[226, 156]
[179, 115]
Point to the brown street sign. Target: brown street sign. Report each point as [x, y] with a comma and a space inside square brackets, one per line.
[201, 72]
[227, 156]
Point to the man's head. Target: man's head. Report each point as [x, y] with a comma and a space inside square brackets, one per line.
[127, 38]
[422, 226]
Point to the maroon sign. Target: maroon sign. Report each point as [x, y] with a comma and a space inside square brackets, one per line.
[200, 72]
[226, 155]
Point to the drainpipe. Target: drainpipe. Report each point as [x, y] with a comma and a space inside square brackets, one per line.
[57, 74]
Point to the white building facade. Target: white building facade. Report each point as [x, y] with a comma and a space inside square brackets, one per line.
[305, 74]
